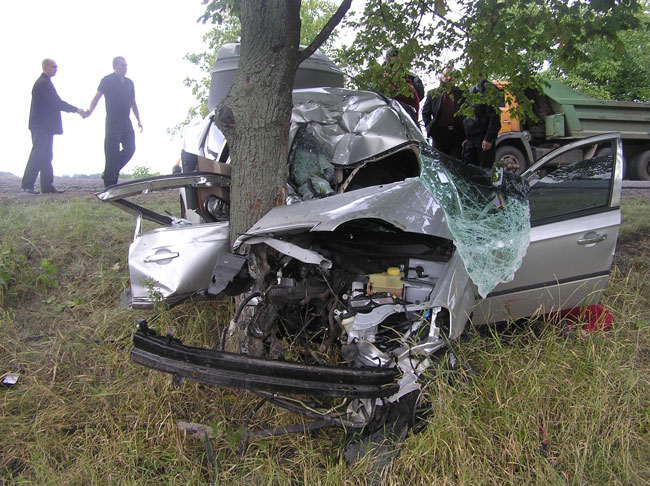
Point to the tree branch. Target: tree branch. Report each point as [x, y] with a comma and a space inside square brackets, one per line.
[325, 32]
[417, 27]
[446, 19]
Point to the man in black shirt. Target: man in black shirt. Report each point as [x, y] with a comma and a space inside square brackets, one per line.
[44, 123]
[120, 100]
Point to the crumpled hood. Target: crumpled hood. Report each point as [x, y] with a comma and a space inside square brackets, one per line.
[354, 125]
[406, 205]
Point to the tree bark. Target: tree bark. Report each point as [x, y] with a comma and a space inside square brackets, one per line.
[256, 115]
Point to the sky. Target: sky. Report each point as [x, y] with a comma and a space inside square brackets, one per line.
[83, 37]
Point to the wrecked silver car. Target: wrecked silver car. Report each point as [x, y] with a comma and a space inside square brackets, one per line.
[384, 253]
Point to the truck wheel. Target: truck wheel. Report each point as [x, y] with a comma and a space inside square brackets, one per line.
[603, 152]
[512, 159]
[639, 168]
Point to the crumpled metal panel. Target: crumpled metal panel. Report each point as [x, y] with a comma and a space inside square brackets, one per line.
[159, 183]
[171, 264]
[406, 205]
[294, 251]
[354, 125]
[490, 226]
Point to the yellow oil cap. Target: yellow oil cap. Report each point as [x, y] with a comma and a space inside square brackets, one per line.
[394, 271]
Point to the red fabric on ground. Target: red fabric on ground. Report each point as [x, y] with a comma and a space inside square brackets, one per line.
[597, 318]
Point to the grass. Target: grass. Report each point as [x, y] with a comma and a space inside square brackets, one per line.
[82, 414]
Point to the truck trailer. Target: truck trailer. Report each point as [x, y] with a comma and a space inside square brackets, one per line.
[565, 115]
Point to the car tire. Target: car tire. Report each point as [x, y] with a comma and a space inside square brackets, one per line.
[639, 168]
[512, 159]
[382, 437]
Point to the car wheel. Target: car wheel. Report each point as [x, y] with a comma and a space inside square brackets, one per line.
[512, 158]
[639, 168]
[382, 437]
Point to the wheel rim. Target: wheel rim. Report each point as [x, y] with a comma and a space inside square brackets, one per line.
[511, 164]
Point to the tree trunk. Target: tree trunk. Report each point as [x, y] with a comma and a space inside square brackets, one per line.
[255, 116]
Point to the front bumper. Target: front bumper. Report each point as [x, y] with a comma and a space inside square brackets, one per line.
[233, 370]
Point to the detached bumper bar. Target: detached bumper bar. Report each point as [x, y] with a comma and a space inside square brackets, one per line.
[233, 370]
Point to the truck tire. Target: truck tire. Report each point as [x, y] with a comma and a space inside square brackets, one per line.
[604, 152]
[512, 158]
[639, 168]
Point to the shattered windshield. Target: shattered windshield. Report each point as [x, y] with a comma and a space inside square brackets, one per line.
[490, 225]
[312, 171]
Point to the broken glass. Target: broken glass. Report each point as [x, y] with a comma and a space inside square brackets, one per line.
[490, 225]
[312, 171]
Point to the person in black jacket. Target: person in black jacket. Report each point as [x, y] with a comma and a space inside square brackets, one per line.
[442, 121]
[44, 123]
[481, 131]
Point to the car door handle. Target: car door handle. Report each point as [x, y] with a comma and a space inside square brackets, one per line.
[159, 256]
[592, 238]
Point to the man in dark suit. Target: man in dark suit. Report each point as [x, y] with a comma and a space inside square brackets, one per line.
[44, 123]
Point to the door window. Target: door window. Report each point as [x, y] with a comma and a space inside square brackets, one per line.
[561, 188]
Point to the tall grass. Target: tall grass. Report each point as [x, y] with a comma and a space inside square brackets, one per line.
[82, 414]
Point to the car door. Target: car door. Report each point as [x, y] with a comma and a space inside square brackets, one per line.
[173, 262]
[575, 216]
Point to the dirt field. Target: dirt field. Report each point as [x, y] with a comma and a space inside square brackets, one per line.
[73, 186]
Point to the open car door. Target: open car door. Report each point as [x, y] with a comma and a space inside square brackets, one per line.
[575, 216]
[174, 262]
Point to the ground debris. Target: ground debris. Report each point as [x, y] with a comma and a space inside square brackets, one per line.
[196, 431]
[9, 379]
